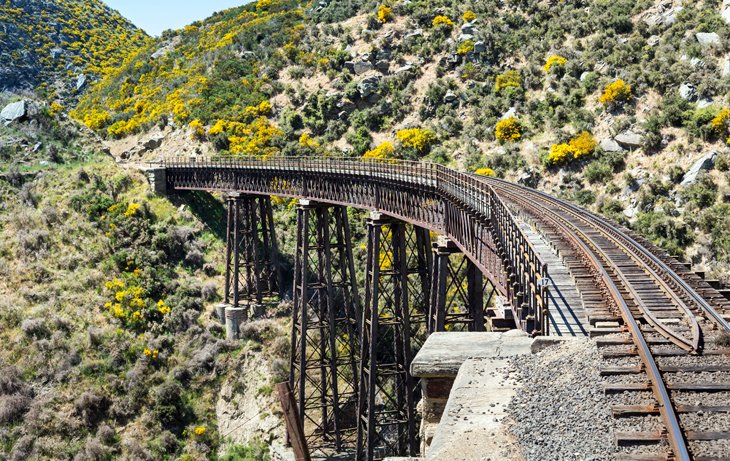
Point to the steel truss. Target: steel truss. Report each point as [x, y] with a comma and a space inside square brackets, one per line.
[387, 423]
[459, 291]
[323, 373]
[252, 254]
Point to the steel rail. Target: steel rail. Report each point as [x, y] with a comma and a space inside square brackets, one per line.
[675, 435]
[701, 302]
[680, 341]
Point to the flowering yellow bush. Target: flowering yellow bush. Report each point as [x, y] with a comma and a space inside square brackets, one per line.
[385, 13]
[384, 150]
[255, 138]
[444, 21]
[721, 123]
[469, 16]
[509, 79]
[508, 129]
[263, 4]
[306, 140]
[553, 61]
[132, 210]
[198, 129]
[416, 138]
[615, 92]
[151, 353]
[559, 154]
[581, 145]
[465, 47]
[199, 431]
[56, 108]
[485, 172]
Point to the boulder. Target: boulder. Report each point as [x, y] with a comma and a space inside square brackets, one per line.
[360, 67]
[81, 82]
[404, 69]
[610, 145]
[413, 33]
[382, 66]
[706, 162]
[704, 102]
[480, 47]
[707, 38]
[687, 91]
[726, 15]
[512, 112]
[653, 40]
[368, 86]
[528, 178]
[450, 97]
[464, 37]
[15, 111]
[469, 28]
[56, 53]
[725, 65]
[153, 143]
[630, 140]
[383, 54]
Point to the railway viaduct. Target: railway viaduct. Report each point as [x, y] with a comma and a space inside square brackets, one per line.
[352, 343]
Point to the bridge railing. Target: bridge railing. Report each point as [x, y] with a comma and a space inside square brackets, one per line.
[459, 205]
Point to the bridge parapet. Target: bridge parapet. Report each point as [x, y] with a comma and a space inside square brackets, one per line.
[458, 205]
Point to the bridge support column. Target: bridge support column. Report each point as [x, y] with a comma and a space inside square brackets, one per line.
[324, 332]
[252, 255]
[457, 291]
[386, 403]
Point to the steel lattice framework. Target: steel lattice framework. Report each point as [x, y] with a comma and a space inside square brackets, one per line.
[460, 206]
[324, 367]
[252, 254]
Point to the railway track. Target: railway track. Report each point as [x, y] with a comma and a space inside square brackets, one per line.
[665, 348]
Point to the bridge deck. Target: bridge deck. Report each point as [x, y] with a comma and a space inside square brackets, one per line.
[567, 313]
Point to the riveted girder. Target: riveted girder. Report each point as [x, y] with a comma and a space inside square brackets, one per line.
[387, 416]
[325, 330]
[252, 255]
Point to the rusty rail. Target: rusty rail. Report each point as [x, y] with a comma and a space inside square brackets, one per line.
[455, 204]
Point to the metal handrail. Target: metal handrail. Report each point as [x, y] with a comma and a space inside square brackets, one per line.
[463, 208]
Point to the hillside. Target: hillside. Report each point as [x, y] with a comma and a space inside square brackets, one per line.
[605, 103]
[110, 349]
[61, 46]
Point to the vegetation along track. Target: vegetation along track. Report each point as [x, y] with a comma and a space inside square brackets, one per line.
[681, 412]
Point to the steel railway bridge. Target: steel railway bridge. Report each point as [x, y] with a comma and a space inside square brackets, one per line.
[352, 342]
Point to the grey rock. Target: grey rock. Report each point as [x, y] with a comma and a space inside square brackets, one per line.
[630, 140]
[687, 91]
[653, 40]
[153, 143]
[360, 67]
[529, 178]
[382, 65]
[81, 82]
[450, 97]
[369, 85]
[15, 111]
[610, 145]
[512, 112]
[56, 53]
[706, 162]
[414, 33]
[697, 63]
[480, 46]
[464, 37]
[725, 64]
[383, 54]
[726, 15]
[707, 38]
[584, 76]
[37, 147]
[469, 28]
[704, 102]
[404, 69]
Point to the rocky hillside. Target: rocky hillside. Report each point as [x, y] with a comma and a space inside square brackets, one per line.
[110, 349]
[61, 46]
[621, 105]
